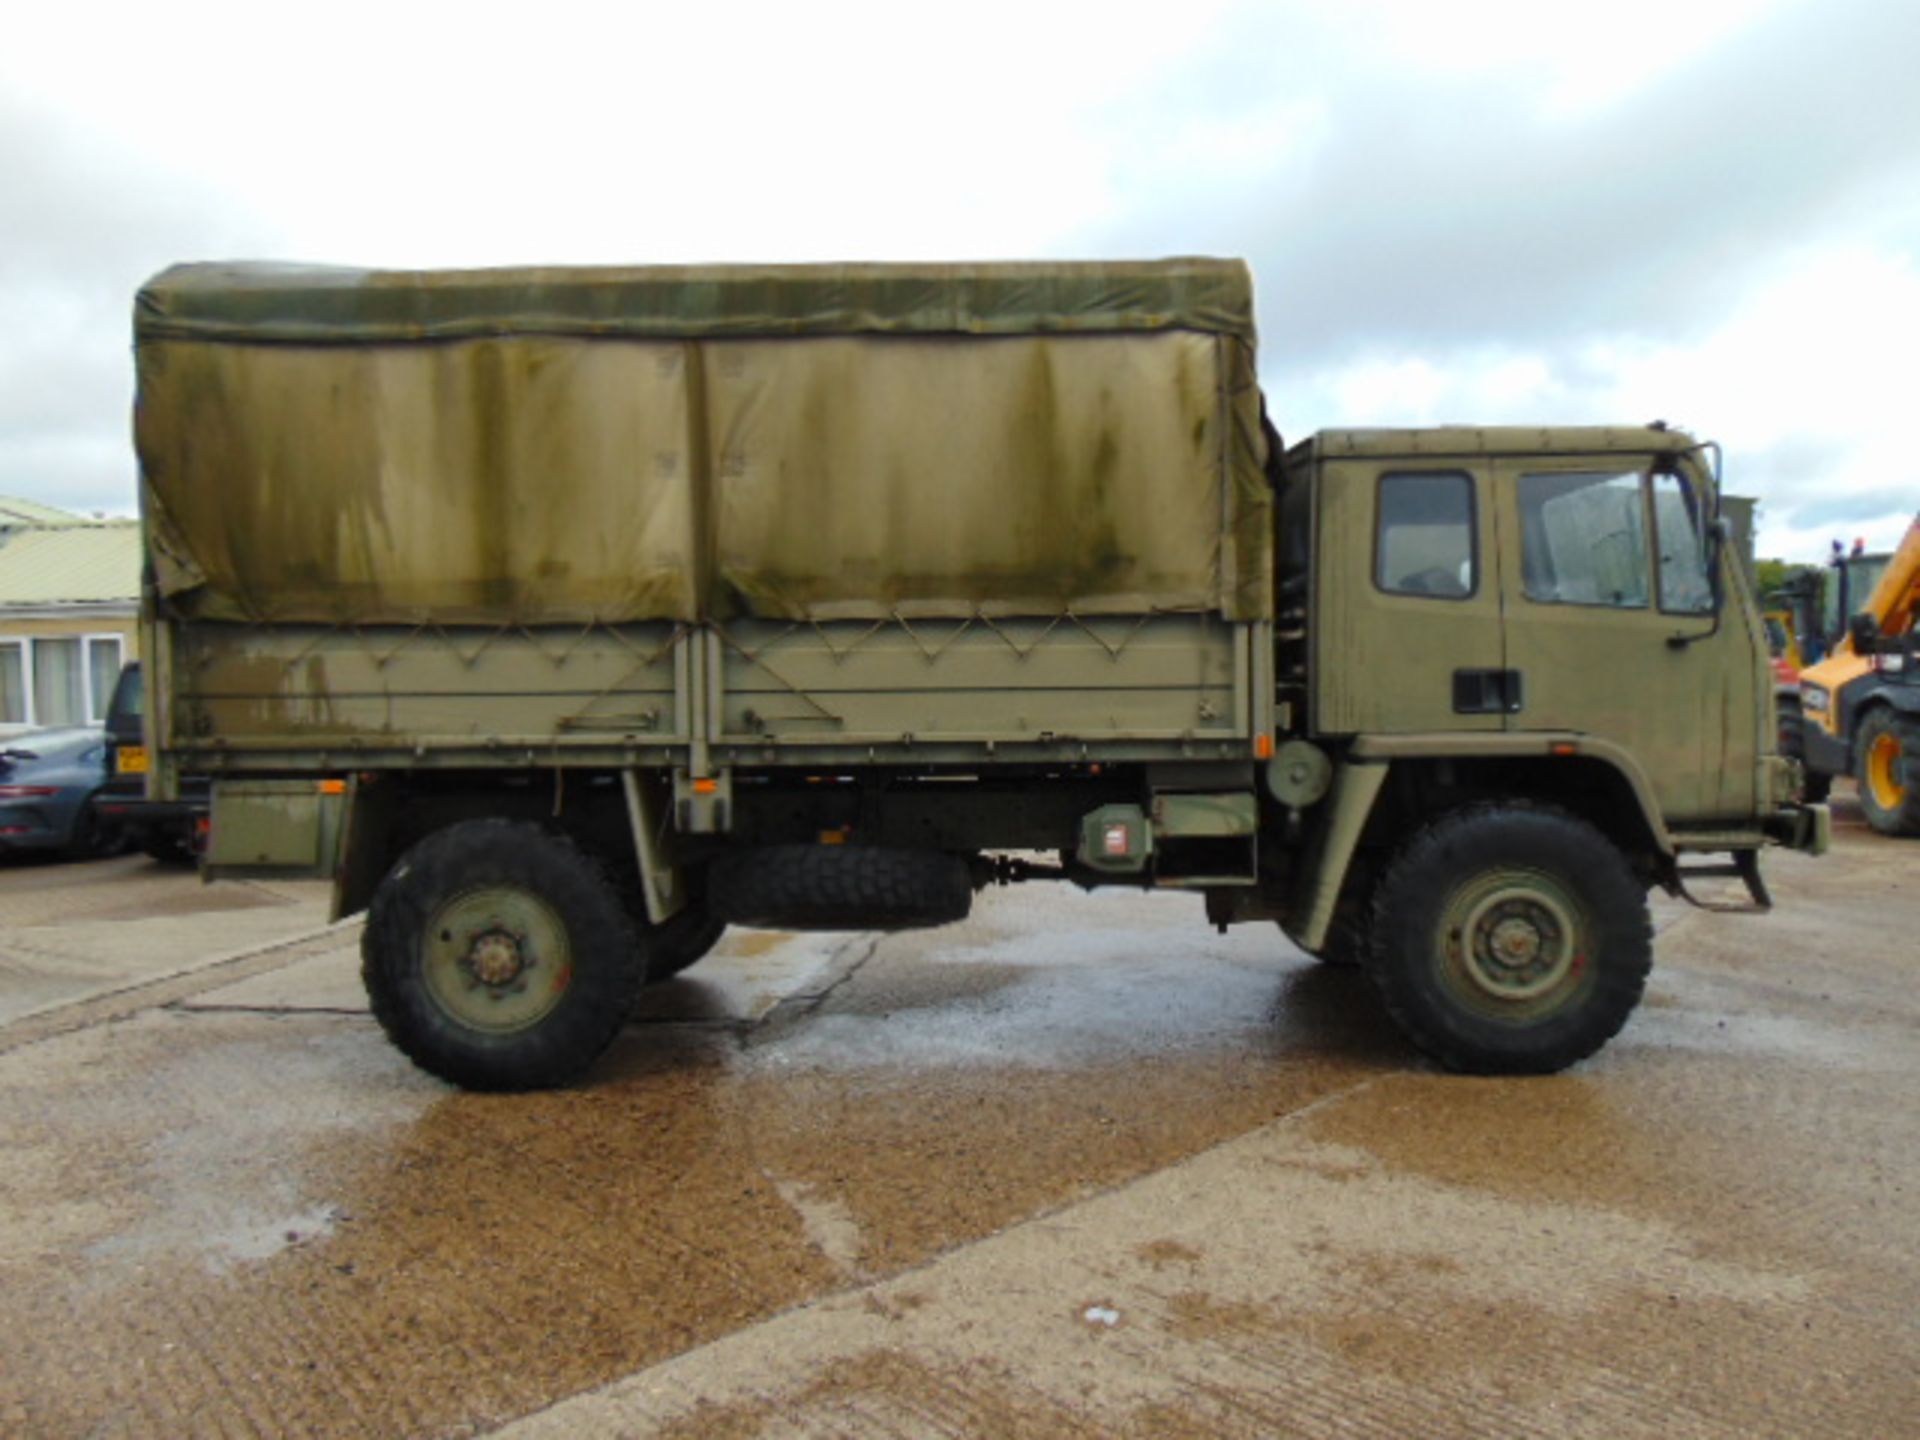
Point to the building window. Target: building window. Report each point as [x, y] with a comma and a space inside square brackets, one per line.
[14, 707]
[53, 680]
[103, 673]
[59, 685]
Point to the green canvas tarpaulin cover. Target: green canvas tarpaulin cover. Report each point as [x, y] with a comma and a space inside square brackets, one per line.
[332, 304]
[563, 446]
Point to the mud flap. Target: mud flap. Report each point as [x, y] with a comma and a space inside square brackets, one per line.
[278, 829]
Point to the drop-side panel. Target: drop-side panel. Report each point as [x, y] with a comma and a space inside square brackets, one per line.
[263, 696]
[1112, 687]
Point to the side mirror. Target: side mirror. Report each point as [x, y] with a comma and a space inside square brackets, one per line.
[1864, 631]
[1719, 536]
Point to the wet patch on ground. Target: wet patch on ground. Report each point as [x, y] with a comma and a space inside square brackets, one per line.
[832, 1183]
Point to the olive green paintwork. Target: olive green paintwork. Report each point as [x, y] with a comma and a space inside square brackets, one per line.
[267, 827]
[1117, 839]
[1194, 817]
[1690, 715]
[1356, 787]
[690, 521]
[1114, 688]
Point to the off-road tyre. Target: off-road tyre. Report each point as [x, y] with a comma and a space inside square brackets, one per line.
[1884, 746]
[1561, 939]
[680, 941]
[839, 887]
[539, 902]
[683, 939]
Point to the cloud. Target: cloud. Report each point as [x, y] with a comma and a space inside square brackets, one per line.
[1488, 211]
[1412, 207]
[83, 225]
[1525, 214]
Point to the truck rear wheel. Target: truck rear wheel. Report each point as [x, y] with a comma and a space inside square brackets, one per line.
[1510, 940]
[679, 941]
[1887, 743]
[499, 957]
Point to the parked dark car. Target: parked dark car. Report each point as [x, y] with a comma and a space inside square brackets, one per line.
[166, 830]
[48, 781]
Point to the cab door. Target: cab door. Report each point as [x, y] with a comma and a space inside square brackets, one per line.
[1408, 637]
[1610, 626]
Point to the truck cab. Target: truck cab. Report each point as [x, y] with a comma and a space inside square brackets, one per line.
[1529, 592]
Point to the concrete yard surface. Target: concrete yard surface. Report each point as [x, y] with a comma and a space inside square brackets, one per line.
[1079, 1166]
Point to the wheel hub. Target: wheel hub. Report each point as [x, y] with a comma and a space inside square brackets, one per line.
[496, 958]
[1514, 941]
[1883, 772]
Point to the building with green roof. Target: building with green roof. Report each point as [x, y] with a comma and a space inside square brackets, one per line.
[69, 605]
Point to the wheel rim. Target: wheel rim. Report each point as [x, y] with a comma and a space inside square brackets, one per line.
[1514, 945]
[1883, 771]
[496, 959]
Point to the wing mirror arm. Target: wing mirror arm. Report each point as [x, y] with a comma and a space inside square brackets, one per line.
[1719, 532]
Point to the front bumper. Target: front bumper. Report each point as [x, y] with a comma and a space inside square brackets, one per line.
[1801, 826]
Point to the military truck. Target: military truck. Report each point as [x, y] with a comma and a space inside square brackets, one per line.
[565, 617]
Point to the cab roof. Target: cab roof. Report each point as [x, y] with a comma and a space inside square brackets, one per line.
[1464, 440]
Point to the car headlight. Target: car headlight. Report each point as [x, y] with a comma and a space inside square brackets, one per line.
[1815, 697]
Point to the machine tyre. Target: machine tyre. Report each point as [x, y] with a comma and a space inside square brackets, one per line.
[1887, 742]
[497, 956]
[840, 887]
[1510, 939]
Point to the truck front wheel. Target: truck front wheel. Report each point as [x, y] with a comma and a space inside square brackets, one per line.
[499, 957]
[1510, 940]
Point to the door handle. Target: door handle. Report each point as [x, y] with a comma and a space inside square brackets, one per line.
[1488, 692]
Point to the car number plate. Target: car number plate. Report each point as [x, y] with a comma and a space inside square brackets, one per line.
[131, 760]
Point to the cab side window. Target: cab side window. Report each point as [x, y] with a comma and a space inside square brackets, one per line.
[1584, 539]
[1685, 587]
[1425, 541]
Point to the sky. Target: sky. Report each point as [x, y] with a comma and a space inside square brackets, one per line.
[1702, 211]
